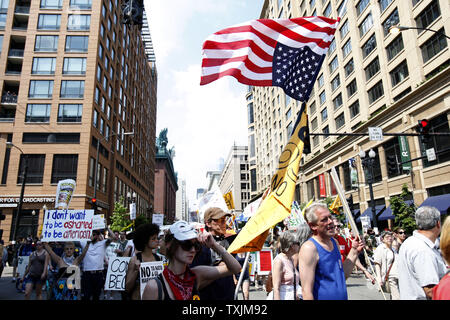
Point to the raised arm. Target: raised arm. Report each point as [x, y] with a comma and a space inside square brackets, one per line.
[80, 258]
[349, 263]
[57, 259]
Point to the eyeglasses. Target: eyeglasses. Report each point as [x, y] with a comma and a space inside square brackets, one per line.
[187, 245]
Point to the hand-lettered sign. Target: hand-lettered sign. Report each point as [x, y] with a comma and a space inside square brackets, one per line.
[117, 272]
[149, 270]
[67, 225]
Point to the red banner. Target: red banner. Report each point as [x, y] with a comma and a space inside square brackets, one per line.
[322, 187]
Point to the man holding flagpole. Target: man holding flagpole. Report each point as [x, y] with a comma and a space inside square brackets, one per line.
[322, 272]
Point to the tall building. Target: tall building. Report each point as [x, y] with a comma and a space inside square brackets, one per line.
[369, 78]
[182, 206]
[235, 177]
[73, 76]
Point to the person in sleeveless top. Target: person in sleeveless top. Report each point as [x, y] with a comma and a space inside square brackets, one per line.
[285, 276]
[178, 281]
[322, 272]
[36, 272]
[146, 242]
[67, 265]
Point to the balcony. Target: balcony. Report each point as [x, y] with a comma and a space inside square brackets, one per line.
[9, 98]
[7, 114]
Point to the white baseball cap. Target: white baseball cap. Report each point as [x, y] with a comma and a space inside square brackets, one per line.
[183, 231]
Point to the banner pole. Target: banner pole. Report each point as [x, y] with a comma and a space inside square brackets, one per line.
[241, 276]
[349, 215]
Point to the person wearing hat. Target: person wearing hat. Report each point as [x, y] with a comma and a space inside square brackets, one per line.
[215, 223]
[180, 282]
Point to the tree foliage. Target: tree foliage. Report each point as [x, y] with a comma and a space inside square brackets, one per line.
[120, 217]
[403, 212]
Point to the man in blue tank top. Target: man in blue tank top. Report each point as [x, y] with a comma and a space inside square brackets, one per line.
[322, 272]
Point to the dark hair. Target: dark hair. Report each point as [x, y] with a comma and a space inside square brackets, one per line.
[143, 233]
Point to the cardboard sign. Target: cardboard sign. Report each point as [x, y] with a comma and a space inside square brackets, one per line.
[264, 262]
[116, 274]
[98, 222]
[67, 225]
[149, 270]
[158, 219]
[22, 263]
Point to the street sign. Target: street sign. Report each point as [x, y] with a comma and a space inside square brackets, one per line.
[404, 153]
[375, 134]
[158, 218]
[132, 211]
[431, 155]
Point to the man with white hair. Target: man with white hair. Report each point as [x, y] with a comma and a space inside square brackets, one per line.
[420, 265]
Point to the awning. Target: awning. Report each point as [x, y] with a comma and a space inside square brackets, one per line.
[387, 214]
[368, 212]
[442, 202]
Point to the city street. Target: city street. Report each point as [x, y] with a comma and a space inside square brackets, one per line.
[357, 286]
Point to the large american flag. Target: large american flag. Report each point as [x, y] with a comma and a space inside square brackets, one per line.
[287, 53]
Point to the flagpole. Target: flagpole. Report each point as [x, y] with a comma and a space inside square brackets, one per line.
[241, 276]
[349, 215]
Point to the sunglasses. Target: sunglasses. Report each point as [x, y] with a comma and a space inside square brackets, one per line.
[187, 245]
[401, 232]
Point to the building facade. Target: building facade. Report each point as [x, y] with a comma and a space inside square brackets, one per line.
[235, 177]
[182, 206]
[370, 78]
[73, 76]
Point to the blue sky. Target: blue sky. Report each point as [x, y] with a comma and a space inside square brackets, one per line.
[203, 121]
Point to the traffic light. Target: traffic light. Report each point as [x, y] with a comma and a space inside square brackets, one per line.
[392, 167]
[424, 130]
[93, 201]
[132, 12]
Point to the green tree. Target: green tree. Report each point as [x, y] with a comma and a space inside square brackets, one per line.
[120, 217]
[404, 213]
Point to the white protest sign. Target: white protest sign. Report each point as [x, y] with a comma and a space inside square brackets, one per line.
[149, 270]
[64, 192]
[111, 250]
[67, 225]
[375, 134]
[365, 222]
[22, 263]
[116, 274]
[132, 211]
[98, 222]
[158, 219]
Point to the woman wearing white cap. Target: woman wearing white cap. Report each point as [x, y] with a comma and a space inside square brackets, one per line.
[178, 281]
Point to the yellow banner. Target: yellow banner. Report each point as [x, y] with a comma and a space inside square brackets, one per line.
[229, 200]
[335, 205]
[277, 205]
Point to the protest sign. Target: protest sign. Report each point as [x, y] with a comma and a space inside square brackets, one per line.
[111, 250]
[264, 262]
[22, 263]
[64, 192]
[67, 225]
[116, 274]
[149, 270]
[98, 222]
[158, 219]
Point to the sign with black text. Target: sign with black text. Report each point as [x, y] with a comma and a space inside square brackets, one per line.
[149, 270]
[116, 274]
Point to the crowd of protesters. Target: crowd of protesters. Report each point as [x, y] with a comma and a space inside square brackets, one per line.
[311, 262]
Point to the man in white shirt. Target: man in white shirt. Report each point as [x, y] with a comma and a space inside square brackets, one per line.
[420, 265]
[93, 264]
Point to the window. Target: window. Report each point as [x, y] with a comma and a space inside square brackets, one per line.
[327, 11]
[361, 6]
[3, 17]
[38, 113]
[288, 114]
[351, 88]
[349, 67]
[340, 8]
[369, 46]
[312, 108]
[337, 102]
[384, 4]
[335, 83]
[324, 114]
[334, 64]
[347, 48]
[365, 26]
[332, 46]
[40, 89]
[79, 22]
[392, 20]
[434, 45]
[372, 69]
[91, 172]
[320, 81]
[49, 22]
[77, 43]
[51, 4]
[354, 109]
[392, 151]
[322, 97]
[95, 121]
[64, 167]
[72, 89]
[428, 15]
[74, 66]
[4, 6]
[376, 92]
[70, 112]
[314, 124]
[46, 43]
[326, 130]
[1, 42]
[81, 4]
[340, 120]
[399, 73]
[394, 47]
[35, 172]
[43, 66]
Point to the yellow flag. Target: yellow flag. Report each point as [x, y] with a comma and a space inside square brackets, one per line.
[228, 197]
[335, 205]
[277, 205]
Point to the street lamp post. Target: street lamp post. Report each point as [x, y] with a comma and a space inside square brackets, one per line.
[98, 154]
[368, 163]
[398, 29]
[22, 190]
